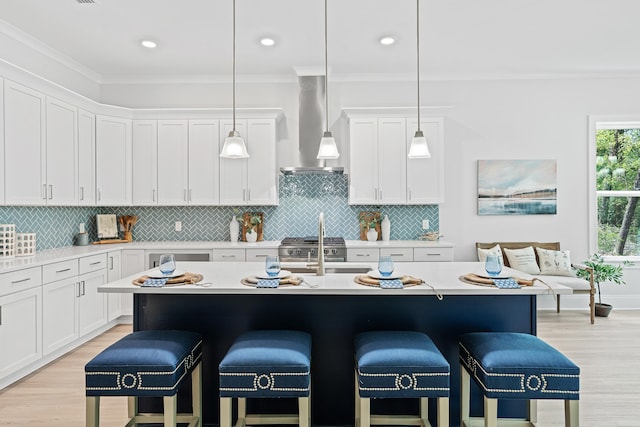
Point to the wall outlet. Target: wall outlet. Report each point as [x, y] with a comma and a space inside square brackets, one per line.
[425, 224]
[178, 226]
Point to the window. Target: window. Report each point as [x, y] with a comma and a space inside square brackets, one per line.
[615, 174]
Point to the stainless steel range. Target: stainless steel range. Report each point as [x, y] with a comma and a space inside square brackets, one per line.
[294, 249]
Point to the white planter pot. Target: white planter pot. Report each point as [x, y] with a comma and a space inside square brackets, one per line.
[252, 237]
[372, 235]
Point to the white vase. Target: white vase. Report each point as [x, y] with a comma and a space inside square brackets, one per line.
[252, 237]
[372, 235]
[385, 228]
[234, 229]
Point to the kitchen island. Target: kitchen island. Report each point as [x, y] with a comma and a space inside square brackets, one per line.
[333, 309]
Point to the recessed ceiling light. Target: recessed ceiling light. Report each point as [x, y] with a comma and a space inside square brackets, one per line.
[148, 44]
[267, 41]
[387, 40]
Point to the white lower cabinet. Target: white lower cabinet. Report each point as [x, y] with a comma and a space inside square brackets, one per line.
[92, 305]
[20, 330]
[114, 261]
[363, 254]
[260, 254]
[398, 254]
[219, 255]
[132, 262]
[60, 313]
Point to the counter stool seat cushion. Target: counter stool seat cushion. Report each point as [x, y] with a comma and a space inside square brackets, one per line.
[518, 366]
[400, 364]
[274, 363]
[145, 363]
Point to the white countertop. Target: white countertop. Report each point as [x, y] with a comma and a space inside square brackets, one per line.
[62, 254]
[225, 277]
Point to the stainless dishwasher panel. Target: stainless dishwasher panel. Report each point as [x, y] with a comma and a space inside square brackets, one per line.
[153, 258]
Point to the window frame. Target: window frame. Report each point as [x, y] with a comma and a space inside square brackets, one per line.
[598, 122]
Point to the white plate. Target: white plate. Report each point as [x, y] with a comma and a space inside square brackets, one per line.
[376, 275]
[156, 274]
[281, 275]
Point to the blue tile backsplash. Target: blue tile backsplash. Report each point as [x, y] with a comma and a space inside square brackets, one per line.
[301, 199]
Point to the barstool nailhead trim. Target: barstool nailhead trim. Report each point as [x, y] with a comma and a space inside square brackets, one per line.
[270, 383]
[413, 381]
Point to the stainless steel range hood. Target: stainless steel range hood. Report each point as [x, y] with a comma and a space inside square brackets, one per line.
[311, 116]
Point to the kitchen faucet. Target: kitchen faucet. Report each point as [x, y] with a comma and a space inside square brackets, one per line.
[320, 269]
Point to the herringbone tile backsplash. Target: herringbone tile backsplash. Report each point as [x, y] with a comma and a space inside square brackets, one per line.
[301, 199]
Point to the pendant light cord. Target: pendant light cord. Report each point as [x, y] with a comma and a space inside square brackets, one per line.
[234, 66]
[326, 72]
[418, 55]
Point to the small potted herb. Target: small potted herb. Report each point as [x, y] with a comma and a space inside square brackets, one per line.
[369, 224]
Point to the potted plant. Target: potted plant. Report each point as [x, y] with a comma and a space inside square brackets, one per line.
[251, 224]
[370, 225]
[603, 272]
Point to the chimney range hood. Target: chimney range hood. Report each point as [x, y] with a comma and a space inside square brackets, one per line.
[311, 116]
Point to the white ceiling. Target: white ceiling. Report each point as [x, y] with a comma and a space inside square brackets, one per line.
[459, 38]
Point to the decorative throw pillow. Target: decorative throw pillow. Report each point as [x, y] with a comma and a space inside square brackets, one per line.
[482, 253]
[556, 263]
[523, 259]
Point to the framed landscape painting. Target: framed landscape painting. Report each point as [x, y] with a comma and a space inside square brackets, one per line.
[517, 187]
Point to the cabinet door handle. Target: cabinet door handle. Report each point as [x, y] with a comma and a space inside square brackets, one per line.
[83, 289]
[50, 192]
[0, 315]
[409, 194]
[249, 194]
[78, 295]
[153, 195]
[111, 263]
[99, 194]
[95, 263]
[380, 194]
[184, 194]
[13, 282]
[44, 191]
[63, 270]
[81, 193]
[189, 194]
[375, 197]
[244, 194]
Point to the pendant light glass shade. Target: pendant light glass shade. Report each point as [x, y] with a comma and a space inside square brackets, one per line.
[419, 149]
[328, 149]
[234, 147]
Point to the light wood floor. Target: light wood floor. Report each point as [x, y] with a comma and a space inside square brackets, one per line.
[606, 352]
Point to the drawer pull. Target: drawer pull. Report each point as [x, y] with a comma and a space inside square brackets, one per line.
[13, 282]
[62, 271]
[260, 255]
[95, 263]
[433, 254]
[397, 254]
[363, 254]
[228, 256]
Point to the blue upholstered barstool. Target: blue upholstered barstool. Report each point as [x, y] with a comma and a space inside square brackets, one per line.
[400, 364]
[507, 365]
[147, 363]
[267, 364]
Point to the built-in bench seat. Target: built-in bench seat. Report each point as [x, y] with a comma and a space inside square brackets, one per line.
[579, 286]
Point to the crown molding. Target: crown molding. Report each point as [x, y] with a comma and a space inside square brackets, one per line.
[46, 50]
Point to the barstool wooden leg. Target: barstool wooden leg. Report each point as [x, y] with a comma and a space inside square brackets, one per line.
[443, 412]
[196, 392]
[132, 406]
[365, 411]
[304, 411]
[571, 413]
[92, 411]
[532, 408]
[490, 412]
[225, 411]
[170, 410]
[465, 395]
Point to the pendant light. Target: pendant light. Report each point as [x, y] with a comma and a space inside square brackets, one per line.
[234, 147]
[328, 148]
[418, 148]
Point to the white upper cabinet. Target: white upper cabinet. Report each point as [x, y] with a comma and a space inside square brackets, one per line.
[425, 177]
[1, 142]
[24, 131]
[204, 162]
[113, 161]
[86, 158]
[173, 162]
[377, 161]
[145, 159]
[251, 181]
[61, 153]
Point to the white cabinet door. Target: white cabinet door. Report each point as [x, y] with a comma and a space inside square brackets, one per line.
[392, 161]
[145, 159]
[59, 313]
[86, 158]
[114, 261]
[233, 172]
[92, 306]
[425, 177]
[24, 141]
[2, 142]
[204, 163]
[173, 162]
[113, 161]
[132, 262]
[262, 186]
[363, 153]
[20, 330]
[61, 153]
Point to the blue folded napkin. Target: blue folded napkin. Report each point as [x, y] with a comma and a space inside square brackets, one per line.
[268, 283]
[391, 284]
[154, 283]
[506, 283]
